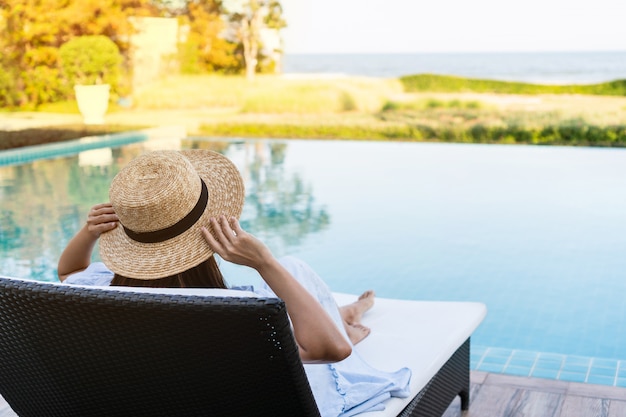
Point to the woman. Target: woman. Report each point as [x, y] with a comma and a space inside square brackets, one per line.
[170, 212]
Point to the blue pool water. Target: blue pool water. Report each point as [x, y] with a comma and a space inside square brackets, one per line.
[536, 233]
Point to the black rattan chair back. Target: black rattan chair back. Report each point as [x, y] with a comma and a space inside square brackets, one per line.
[85, 352]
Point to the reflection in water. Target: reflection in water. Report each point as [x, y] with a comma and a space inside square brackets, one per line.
[96, 157]
[45, 202]
[280, 209]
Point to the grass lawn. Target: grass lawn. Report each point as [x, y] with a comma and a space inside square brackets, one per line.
[359, 108]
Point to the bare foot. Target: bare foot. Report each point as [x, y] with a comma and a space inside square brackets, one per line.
[353, 313]
[357, 332]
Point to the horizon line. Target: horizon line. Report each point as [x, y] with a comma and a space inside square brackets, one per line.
[462, 52]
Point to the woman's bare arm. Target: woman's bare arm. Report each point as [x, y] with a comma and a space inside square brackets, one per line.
[317, 336]
[76, 256]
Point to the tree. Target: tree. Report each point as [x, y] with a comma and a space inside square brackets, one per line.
[250, 18]
[207, 48]
[33, 30]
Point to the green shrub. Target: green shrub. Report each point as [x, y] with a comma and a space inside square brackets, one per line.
[563, 134]
[453, 84]
[90, 60]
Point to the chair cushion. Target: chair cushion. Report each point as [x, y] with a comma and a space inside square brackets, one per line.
[421, 335]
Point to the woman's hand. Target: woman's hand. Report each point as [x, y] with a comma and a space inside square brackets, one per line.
[77, 254]
[101, 218]
[235, 245]
[317, 336]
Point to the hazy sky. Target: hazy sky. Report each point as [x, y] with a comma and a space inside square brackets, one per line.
[328, 26]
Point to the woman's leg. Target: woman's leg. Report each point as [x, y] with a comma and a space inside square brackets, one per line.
[352, 314]
[347, 317]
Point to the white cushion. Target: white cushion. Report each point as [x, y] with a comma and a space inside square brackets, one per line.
[420, 335]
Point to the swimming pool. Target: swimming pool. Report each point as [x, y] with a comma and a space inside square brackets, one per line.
[536, 233]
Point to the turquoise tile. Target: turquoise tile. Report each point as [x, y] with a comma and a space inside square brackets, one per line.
[575, 368]
[545, 373]
[621, 382]
[518, 370]
[542, 363]
[499, 352]
[515, 361]
[578, 360]
[524, 354]
[478, 349]
[551, 356]
[572, 376]
[599, 379]
[605, 363]
[491, 367]
[495, 359]
[603, 371]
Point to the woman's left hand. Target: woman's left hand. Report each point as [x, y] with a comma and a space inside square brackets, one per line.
[318, 338]
[235, 245]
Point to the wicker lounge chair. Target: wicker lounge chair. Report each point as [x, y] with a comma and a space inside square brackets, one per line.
[88, 352]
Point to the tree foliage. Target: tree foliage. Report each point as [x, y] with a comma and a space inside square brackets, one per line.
[250, 18]
[205, 48]
[32, 31]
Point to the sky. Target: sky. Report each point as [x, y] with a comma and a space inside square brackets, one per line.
[404, 26]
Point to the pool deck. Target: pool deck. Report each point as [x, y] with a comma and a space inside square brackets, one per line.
[498, 395]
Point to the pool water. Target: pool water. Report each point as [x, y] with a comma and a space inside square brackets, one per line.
[536, 233]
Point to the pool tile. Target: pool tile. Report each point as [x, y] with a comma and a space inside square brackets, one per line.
[601, 380]
[605, 363]
[478, 350]
[575, 368]
[518, 370]
[524, 354]
[491, 367]
[552, 356]
[543, 363]
[499, 352]
[573, 376]
[603, 371]
[545, 373]
[578, 360]
[495, 359]
[515, 361]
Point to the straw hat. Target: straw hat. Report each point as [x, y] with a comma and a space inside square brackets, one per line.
[162, 199]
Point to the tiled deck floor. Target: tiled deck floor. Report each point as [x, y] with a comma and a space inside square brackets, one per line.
[497, 395]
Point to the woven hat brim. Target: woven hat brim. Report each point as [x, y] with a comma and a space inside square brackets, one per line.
[133, 259]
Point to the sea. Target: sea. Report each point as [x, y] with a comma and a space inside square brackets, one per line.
[532, 67]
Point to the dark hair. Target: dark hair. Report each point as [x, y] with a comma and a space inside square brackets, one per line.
[205, 275]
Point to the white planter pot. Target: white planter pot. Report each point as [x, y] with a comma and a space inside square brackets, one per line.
[93, 102]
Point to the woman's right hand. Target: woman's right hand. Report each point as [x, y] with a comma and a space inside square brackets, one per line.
[76, 256]
[101, 218]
